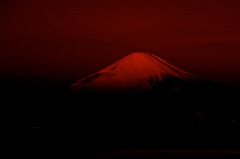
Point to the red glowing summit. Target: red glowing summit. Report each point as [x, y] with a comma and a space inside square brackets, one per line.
[138, 72]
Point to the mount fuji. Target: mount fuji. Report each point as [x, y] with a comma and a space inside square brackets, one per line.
[135, 74]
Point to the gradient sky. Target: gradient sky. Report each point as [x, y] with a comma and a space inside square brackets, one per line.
[51, 42]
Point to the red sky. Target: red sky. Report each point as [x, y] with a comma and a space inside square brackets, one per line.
[55, 41]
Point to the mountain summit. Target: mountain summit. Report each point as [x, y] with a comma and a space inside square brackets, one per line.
[138, 72]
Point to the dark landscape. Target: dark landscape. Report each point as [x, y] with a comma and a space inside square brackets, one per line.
[203, 123]
[54, 128]
[94, 79]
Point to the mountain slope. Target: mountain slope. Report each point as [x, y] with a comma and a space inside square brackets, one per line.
[135, 73]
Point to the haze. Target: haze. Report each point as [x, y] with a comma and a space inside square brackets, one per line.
[49, 42]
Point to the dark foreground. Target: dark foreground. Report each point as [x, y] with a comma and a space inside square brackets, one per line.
[182, 149]
[163, 154]
[164, 127]
[129, 139]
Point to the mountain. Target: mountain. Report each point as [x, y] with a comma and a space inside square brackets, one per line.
[139, 94]
[136, 73]
[142, 84]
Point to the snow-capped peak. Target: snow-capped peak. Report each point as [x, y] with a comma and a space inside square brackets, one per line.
[134, 73]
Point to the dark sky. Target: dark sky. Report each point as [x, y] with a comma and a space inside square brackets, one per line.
[51, 42]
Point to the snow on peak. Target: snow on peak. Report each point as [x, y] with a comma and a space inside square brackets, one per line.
[136, 72]
[144, 65]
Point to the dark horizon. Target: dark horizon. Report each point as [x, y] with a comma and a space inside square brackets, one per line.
[46, 80]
